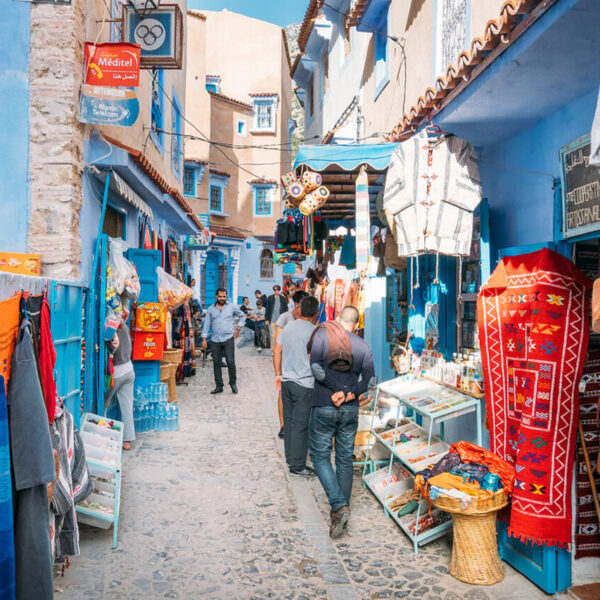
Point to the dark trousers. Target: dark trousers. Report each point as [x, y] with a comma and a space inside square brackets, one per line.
[226, 349]
[297, 402]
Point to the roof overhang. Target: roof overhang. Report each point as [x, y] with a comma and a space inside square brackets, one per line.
[372, 13]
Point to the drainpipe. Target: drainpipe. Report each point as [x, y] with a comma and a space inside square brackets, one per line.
[358, 120]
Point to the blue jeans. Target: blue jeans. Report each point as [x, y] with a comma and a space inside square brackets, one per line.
[326, 423]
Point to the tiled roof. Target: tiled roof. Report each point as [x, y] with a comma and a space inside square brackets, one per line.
[230, 232]
[309, 20]
[221, 173]
[198, 161]
[158, 180]
[263, 94]
[356, 11]
[197, 14]
[515, 17]
[231, 100]
[259, 181]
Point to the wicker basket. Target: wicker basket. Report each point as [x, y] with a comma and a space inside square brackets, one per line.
[477, 506]
[172, 355]
[475, 556]
[167, 374]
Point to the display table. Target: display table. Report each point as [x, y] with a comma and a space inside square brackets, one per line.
[413, 447]
[475, 557]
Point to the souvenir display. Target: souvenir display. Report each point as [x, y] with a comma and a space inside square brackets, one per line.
[311, 180]
[172, 292]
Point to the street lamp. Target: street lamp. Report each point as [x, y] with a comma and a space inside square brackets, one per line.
[144, 7]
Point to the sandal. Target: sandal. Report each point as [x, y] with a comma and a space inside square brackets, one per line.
[126, 446]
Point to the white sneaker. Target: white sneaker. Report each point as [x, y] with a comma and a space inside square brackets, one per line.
[259, 350]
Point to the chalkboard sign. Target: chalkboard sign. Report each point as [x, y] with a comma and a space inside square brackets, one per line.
[580, 188]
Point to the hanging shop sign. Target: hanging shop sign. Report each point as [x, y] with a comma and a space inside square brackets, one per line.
[200, 241]
[112, 64]
[108, 106]
[159, 35]
[148, 346]
[580, 188]
[22, 264]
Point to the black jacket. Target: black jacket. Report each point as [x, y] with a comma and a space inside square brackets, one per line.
[283, 306]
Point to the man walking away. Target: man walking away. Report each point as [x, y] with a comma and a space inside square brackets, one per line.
[287, 317]
[220, 319]
[293, 376]
[342, 365]
[276, 305]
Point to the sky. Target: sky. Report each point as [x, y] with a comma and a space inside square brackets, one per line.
[280, 12]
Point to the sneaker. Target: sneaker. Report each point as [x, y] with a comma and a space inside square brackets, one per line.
[339, 519]
[259, 350]
[303, 472]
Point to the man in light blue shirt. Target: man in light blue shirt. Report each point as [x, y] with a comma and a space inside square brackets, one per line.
[220, 320]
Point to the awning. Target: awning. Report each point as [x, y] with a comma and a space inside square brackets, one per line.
[339, 165]
[118, 185]
[346, 156]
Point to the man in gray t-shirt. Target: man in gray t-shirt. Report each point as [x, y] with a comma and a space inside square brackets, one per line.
[294, 377]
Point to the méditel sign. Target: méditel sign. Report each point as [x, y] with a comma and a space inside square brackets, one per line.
[112, 64]
[159, 34]
[108, 106]
[580, 188]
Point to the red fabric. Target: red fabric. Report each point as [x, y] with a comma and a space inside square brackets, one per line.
[47, 355]
[147, 238]
[587, 529]
[533, 331]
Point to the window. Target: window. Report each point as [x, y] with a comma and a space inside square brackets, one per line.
[213, 84]
[265, 113]
[451, 26]
[176, 137]
[241, 127]
[156, 115]
[382, 66]
[266, 264]
[114, 222]
[216, 198]
[263, 205]
[116, 26]
[189, 181]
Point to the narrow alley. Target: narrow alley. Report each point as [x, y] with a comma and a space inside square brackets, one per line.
[209, 512]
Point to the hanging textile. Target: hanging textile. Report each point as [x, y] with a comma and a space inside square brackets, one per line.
[432, 188]
[7, 548]
[533, 330]
[9, 327]
[47, 360]
[33, 468]
[587, 529]
[363, 222]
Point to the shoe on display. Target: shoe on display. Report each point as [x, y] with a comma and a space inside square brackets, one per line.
[234, 388]
[339, 520]
[280, 434]
[217, 390]
[303, 472]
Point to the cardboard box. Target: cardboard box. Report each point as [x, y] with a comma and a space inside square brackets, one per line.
[20, 263]
[148, 346]
[151, 317]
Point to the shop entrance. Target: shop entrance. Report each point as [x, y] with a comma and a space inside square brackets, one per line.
[214, 275]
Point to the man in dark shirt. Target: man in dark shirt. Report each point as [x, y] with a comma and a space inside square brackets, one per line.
[260, 296]
[335, 415]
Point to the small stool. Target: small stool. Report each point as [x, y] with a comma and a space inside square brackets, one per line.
[475, 557]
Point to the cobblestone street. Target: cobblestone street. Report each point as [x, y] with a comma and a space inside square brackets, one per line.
[210, 512]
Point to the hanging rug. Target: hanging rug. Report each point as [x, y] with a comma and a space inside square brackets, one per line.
[533, 331]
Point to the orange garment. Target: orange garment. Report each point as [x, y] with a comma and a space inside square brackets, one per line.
[9, 328]
[470, 452]
[449, 481]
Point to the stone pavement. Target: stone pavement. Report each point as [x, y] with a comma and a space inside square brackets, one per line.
[210, 512]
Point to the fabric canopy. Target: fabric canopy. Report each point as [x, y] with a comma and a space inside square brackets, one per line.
[346, 156]
[125, 191]
[432, 191]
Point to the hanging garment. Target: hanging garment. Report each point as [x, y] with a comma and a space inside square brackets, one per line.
[587, 529]
[9, 326]
[47, 360]
[339, 351]
[432, 190]
[7, 548]
[348, 252]
[533, 329]
[72, 486]
[33, 468]
[161, 247]
[363, 221]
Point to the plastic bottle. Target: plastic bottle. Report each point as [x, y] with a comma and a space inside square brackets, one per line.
[149, 416]
[175, 416]
[165, 392]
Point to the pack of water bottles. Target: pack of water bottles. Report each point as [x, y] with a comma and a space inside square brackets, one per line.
[152, 409]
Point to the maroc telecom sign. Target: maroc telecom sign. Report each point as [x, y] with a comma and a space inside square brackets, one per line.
[108, 106]
[112, 64]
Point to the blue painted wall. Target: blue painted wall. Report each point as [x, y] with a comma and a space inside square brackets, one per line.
[14, 116]
[249, 271]
[517, 175]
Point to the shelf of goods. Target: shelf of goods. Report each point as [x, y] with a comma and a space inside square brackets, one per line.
[413, 447]
[103, 454]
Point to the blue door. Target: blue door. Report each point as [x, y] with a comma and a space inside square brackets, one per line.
[547, 566]
[214, 258]
[67, 324]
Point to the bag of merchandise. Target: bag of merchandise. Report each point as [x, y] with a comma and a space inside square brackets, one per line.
[121, 273]
[172, 292]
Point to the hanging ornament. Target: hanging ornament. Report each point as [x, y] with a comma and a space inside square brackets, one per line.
[311, 180]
